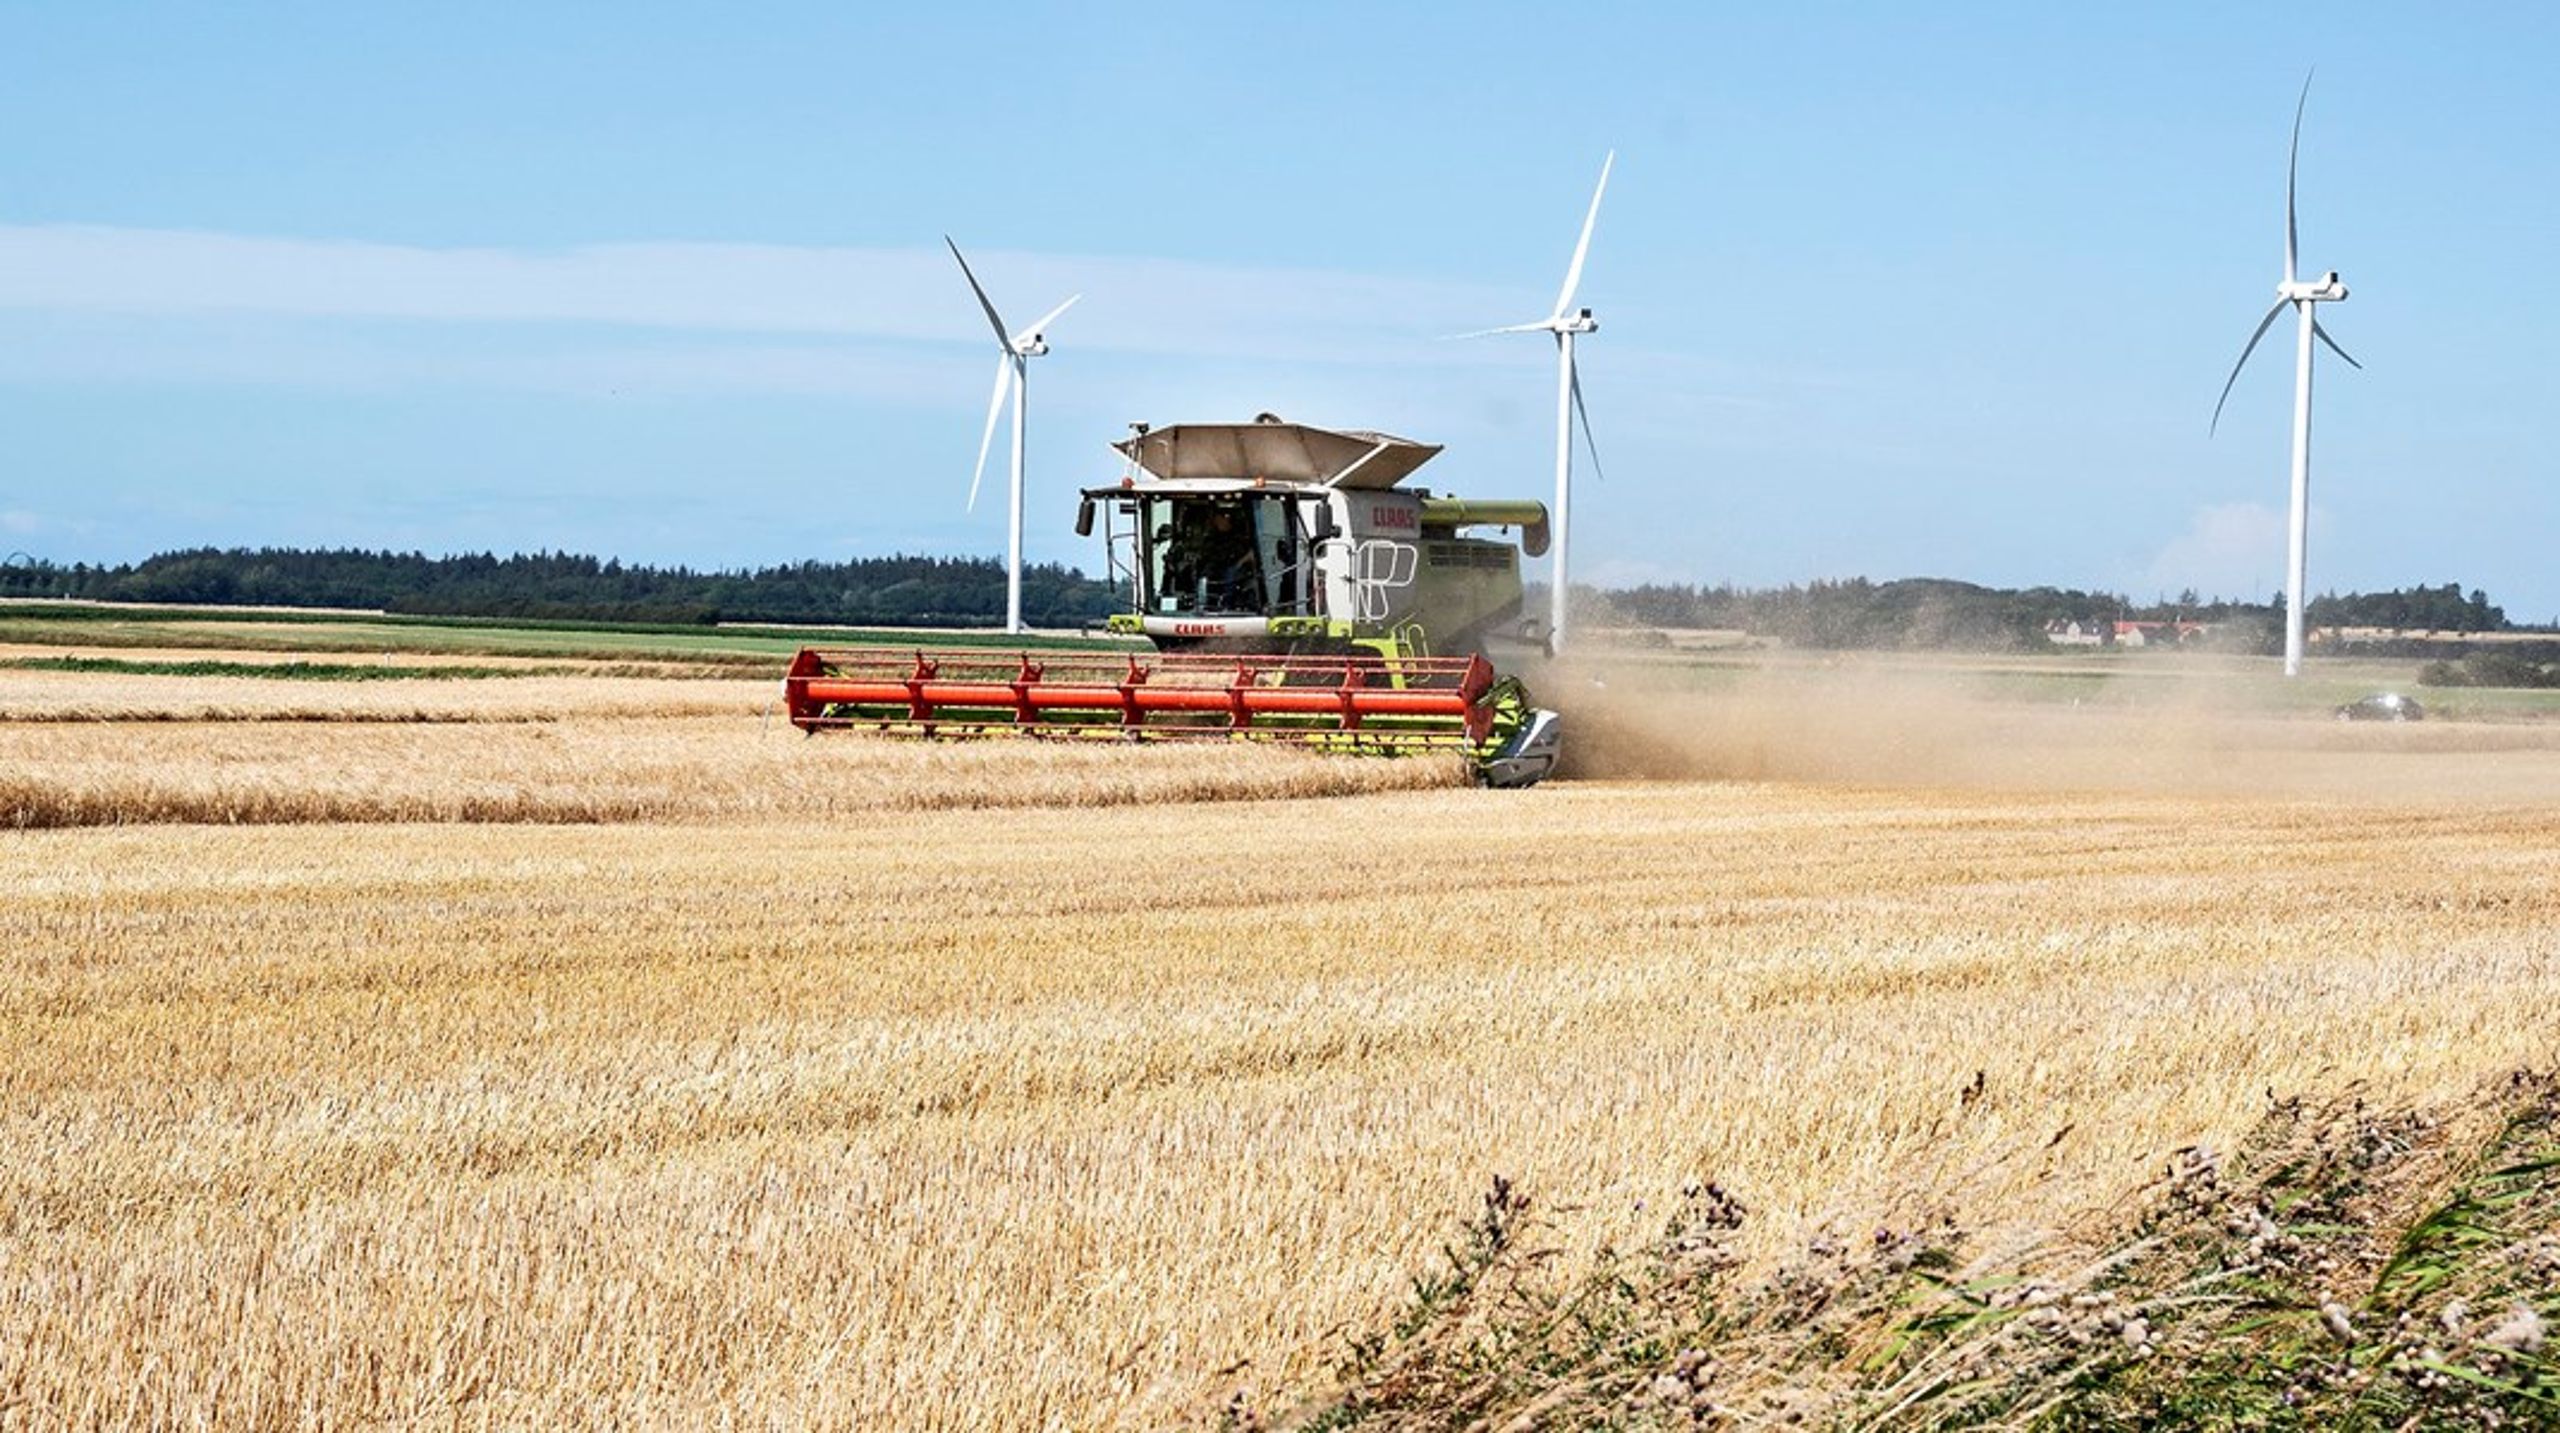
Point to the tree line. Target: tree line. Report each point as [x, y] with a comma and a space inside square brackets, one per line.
[1920, 613]
[2415, 609]
[559, 586]
[1940, 613]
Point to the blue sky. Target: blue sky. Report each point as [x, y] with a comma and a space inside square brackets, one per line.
[1889, 290]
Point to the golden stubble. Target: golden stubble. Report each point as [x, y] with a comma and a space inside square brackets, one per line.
[34, 696]
[1047, 1110]
[590, 768]
[1006, 1117]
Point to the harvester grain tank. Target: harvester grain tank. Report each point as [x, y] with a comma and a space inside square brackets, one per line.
[1292, 589]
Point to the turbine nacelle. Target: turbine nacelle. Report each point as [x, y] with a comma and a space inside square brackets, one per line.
[1581, 322]
[2327, 291]
[1033, 347]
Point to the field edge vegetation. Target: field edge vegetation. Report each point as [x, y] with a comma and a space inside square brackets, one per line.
[2347, 1266]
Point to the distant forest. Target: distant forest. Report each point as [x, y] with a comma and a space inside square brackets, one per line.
[1928, 612]
[884, 591]
[945, 591]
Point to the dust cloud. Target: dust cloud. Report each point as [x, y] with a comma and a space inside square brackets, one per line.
[1894, 723]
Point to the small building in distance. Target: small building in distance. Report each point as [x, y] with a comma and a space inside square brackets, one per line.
[2066, 632]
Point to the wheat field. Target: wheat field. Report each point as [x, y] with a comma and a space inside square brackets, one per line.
[649, 1064]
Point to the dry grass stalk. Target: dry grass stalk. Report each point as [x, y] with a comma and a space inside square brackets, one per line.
[2346, 1265]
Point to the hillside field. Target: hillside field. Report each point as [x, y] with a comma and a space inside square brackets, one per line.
[587, 1047]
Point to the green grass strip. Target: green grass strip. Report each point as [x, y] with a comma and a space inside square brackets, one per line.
[280, 671]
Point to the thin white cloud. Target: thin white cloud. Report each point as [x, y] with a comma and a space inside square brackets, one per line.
[2227, 550]
[1131, 303]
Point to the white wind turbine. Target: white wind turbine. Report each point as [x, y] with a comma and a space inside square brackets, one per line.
[2304, 297]
[1014, 353]
[1565, 323]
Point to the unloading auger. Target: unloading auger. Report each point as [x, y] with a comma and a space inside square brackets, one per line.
[1291, 591]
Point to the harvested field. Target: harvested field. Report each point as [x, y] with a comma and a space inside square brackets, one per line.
[790, 1097]
[29, 696]
[638, 769]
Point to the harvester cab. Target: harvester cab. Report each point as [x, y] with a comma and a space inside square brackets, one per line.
[1272, 536]
[1291, 591]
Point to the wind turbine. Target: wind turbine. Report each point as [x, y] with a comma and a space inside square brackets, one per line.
[1566, 323]
[1014, 353]
[2305, 298]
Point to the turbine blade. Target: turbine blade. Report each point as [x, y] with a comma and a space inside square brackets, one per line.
[2322, 334]
[1542, 326]
[994, 320]
[1582, 249]
[2263, 325]
[1574, 377]
[995, 410]
[2292, 162]
[1046, 319]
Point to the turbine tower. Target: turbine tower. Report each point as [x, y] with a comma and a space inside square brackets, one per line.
[1014, 351]
[2305, 298]
[1566, 323]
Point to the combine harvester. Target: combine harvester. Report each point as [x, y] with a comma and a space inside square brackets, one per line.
[1292, 592]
